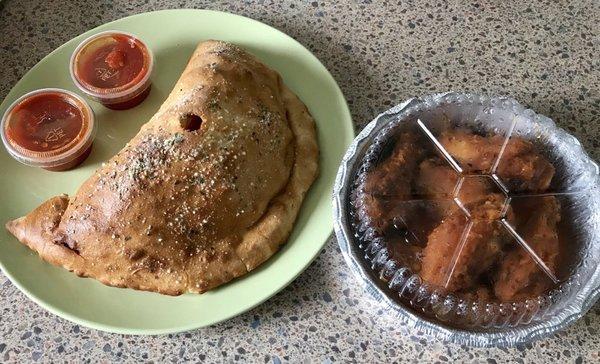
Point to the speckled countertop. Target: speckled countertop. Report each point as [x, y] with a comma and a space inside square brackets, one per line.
[545, 54]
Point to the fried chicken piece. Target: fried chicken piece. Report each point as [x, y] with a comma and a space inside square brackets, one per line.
[475, 189]
[478, 293]
[523, 168]
[482, 247]
[474, 152]
[389, 183]
[405, 253]
[392, 176]
[434, 183]
[518, 275]
[436, 179]
[417, 218]
[374, 212]
[520, 166]
[441, 244]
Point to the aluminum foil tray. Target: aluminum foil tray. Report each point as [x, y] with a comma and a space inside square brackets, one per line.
[436, 310]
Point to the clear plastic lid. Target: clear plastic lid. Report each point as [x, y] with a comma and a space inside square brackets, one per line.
[48, 128]
[94, 78]
[472, 213]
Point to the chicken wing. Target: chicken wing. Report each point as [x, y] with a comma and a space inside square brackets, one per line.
[478, 293]
[455, 258]
[436, 179]
[389, 183]
[518, 274]
[392, 176]
[520, 166]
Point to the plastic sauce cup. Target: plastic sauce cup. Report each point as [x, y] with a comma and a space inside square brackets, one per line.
[49, 128]
[113, 68]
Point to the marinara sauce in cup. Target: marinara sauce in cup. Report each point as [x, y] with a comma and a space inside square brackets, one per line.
[113, 68]
[49, 128]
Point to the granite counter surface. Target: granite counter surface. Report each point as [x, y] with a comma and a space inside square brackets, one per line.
[543, 53]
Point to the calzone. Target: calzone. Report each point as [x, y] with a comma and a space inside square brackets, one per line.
[205, 192]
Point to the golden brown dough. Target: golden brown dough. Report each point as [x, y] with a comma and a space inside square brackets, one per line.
[181, 210]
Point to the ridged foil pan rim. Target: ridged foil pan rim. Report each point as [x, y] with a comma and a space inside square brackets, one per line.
[582, 302]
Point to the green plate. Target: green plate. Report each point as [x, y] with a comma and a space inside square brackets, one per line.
[172, 35]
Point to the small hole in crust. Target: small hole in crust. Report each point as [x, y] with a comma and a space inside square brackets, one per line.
[65, 241]
[190, 122]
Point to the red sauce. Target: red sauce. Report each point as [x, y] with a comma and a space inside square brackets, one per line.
[72, 163]
[131, 102]
[114, 69]
[45, 122]
[113, 65]
[51, 129]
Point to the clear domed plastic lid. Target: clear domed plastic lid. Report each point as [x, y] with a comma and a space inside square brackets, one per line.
[474, 213]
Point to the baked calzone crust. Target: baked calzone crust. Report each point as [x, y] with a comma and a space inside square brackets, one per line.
[205, 192]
